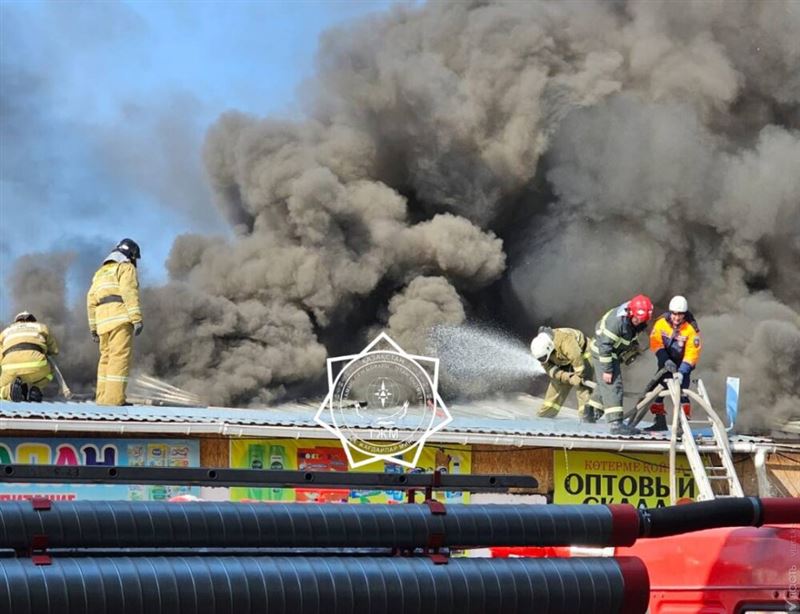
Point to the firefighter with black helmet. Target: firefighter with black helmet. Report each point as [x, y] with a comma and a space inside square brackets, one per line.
[25, 346]
[115, 317]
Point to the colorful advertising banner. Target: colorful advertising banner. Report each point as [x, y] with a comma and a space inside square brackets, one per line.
[121, 452]
[610, 477]
[328, 455]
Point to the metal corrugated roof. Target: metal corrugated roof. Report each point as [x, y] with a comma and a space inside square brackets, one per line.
[502, 421]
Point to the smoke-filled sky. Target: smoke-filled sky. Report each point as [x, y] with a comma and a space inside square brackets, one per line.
[105, 106]
[516, 163]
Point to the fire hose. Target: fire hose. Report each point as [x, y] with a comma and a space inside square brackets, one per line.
[154, 524]
[324, 585]
[652, 390]
[125, 578]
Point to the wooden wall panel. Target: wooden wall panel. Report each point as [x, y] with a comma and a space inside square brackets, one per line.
[498, 460]
[783, 474]
[783, 470]
[746, 471]
[215, 452]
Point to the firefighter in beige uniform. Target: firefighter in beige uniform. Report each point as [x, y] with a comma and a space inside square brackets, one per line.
[564, 355]
[25, 346]
[114, 318]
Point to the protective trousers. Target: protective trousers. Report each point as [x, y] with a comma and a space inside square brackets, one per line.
[558, 391]
[607, 397]
[657, 407]
[555, 395]
[39, 377]
[116, 347]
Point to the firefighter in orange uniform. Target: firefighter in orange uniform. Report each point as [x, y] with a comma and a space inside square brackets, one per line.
[114, 318]
[25, 345]
[675, 340]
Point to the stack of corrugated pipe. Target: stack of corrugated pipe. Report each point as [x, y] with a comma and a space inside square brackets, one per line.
[210, 557]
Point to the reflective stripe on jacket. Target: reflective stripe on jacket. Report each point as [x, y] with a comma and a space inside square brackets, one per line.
[113, 298]
[682, 344]
[613, 335]
[33, 342]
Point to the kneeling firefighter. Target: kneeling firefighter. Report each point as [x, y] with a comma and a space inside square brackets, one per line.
[564, 355]
[26, 344]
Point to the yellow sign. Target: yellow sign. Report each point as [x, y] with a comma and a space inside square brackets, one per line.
[328, 455]
[611, 477]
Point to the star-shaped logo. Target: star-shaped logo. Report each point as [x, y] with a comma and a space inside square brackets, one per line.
[383, 403]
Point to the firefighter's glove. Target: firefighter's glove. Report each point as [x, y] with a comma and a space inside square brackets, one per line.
[137, 328]
[671, 366]
[575, 380]
[95, 336]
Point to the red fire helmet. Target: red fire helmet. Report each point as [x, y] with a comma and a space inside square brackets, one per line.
[641, 306]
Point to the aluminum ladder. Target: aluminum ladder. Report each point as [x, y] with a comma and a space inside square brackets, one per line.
[721, 471]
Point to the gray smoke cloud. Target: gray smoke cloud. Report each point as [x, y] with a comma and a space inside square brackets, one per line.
[523, 163]
[427, 302]
[38, 284]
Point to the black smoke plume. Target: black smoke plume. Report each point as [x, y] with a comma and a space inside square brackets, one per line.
[519, 162]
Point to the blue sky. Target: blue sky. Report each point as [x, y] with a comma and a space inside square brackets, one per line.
[104, 107]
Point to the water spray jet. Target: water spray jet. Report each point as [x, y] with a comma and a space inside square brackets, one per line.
[477, 360]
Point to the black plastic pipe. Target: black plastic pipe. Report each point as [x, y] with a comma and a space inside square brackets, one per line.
[729, 512]
[325, 585]
[123, 524]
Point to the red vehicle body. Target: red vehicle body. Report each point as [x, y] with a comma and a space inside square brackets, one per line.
[716, 571]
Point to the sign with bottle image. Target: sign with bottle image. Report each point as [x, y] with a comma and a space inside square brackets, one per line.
[86, 452]
[327, 455]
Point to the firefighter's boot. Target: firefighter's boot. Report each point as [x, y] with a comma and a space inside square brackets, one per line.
[660, 424]
[618, 427]
[35, 394]
[19, 390]
[588, 416]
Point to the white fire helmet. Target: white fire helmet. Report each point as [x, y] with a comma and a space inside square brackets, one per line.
[679, 304]
[542, 346]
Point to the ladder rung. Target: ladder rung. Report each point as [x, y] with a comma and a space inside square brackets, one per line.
[708, 439]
